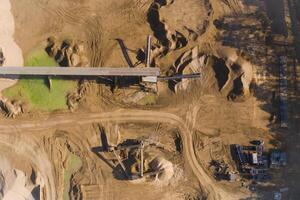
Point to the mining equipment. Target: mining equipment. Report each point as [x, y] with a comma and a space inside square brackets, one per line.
[131, 158]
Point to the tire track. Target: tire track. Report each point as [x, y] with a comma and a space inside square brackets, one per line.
[210, 188]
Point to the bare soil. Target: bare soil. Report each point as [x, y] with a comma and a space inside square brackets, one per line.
[195, 125]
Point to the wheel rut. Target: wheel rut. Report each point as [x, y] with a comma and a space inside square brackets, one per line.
[208, 185]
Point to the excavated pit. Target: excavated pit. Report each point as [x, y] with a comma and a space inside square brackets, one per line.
[169, 39]
[237, 90]
[221, 72]
[156, 25]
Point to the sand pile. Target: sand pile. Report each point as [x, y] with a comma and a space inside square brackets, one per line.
[12, 52]
[18, 190]
[13, 184]
[165, 168]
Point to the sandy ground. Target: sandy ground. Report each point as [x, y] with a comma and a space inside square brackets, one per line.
[11, 50]
[14, 181]
[129, 116]
[44, 139]
[18, 190]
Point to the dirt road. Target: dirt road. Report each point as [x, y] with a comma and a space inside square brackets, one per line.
[208, 185]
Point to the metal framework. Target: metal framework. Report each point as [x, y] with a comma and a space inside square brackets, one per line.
[79, 71]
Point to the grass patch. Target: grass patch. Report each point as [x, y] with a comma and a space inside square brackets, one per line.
[150, 99]
[35, 91]
[39, 58]
[74, 163]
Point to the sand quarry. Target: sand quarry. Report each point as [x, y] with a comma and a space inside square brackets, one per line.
[72, 149]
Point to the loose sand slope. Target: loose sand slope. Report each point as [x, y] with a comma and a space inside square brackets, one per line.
[11, 50]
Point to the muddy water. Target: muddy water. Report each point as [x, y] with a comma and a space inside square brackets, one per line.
[11, 50]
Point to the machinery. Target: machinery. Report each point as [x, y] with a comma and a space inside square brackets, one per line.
[130, 157]
[254, 162]
[251, 160]
[133, 150]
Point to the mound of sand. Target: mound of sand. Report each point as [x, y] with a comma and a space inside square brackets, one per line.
[224, 71]
[13, 184]
[18, 191]
[12, 52]
[165, 168]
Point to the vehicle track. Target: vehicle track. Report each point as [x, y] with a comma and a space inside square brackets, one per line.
[209, 187]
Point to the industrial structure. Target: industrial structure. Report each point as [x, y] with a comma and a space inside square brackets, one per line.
[254, 163]
[147, 73]
[79, 71]
[128, 158]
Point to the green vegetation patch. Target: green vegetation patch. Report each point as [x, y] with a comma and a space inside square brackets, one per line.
[150, 99]
[73, 164]
[36, 92]
[39, 58]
